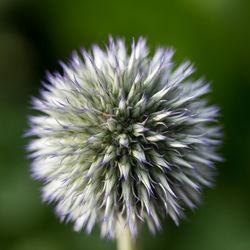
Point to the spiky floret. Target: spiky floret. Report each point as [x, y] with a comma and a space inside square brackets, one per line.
[123, 136]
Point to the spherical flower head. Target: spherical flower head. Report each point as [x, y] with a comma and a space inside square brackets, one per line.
[123, 137]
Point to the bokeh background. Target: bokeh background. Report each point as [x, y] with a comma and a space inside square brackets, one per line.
[215, 34]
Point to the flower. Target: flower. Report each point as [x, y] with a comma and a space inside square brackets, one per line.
[123, 136]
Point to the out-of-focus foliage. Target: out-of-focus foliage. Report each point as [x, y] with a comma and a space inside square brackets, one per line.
[215, 34]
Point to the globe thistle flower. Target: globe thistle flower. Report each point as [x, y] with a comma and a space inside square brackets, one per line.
[123, 137]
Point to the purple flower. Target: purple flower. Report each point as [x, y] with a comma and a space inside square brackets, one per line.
[123, 137]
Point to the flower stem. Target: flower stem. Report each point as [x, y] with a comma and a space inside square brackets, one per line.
[125, 242]
[123, 237]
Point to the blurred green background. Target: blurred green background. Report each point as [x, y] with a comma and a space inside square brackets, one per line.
[215, 34]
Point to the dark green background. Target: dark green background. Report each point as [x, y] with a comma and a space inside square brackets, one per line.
[215, 34]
